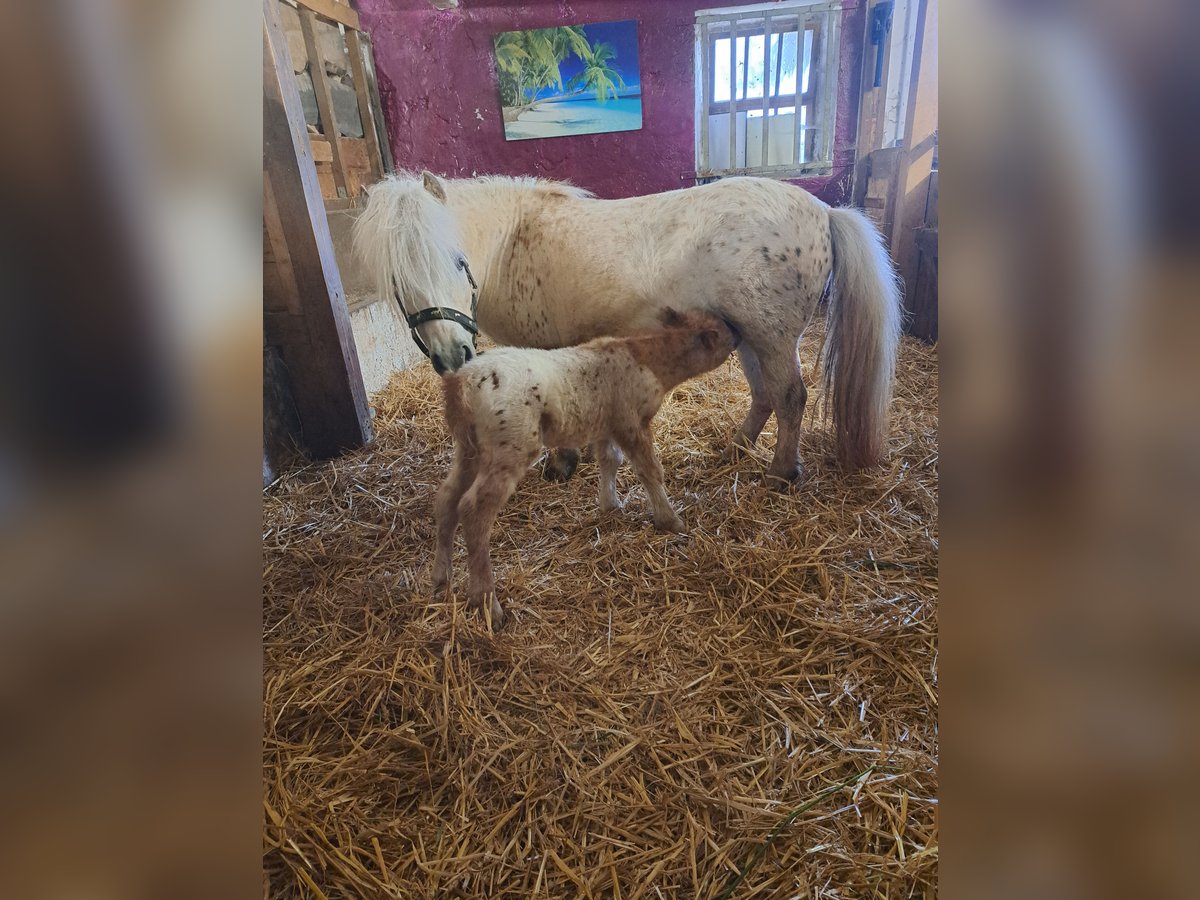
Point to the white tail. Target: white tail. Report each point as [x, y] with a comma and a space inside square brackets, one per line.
[861, 339]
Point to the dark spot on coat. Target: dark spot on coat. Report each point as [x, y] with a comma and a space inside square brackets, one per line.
[495, 381]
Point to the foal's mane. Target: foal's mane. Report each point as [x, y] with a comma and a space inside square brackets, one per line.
[409, 240]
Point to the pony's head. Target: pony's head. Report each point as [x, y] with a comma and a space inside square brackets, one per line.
[704, 340]
[408, 238]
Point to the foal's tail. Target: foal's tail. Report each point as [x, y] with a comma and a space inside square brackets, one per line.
[862, 335]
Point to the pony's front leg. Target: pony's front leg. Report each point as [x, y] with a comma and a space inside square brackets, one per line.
[609, 458]
[560, 464]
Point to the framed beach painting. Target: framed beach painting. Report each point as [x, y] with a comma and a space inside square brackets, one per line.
[574, 79]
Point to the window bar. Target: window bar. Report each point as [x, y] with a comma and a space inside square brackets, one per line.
[778, 66]
[829, 110]
[766, 126]
[702, 114]
[798, 135]
[732, 93]
[816, 84]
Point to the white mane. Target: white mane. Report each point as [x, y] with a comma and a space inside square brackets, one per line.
[543, 186]
[409, 239]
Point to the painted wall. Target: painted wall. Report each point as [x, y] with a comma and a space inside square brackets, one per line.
[437, 80]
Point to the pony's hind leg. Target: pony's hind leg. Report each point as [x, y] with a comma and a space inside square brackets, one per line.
[760, 401]
[788, 395]
[445, 510]
[560, 464]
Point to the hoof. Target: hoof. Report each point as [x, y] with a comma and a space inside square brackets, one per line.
[560, 465]
[494, 609]
[784, 481]
[671, 525]
[608, 506]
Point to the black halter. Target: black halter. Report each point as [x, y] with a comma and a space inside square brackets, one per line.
[434, 313]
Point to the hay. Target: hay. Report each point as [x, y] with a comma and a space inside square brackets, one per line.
[660, 715]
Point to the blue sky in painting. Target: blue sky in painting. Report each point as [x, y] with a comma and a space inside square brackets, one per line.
[623, 38]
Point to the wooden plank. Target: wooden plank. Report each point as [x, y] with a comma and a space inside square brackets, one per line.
[385, 144]
[329, 128]
[318, 345]
[283, 293]
[362, 93]
[321, 150]
[333, 11]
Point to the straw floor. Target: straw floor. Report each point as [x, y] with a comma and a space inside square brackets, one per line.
[661, 716]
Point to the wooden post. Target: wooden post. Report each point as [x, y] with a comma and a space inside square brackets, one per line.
[329, 126]
[317, 344]
[385, 144]
[363, 95]
[872, 102]
[919, 147]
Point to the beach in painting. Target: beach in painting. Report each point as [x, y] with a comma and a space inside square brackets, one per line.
[573, 79]
[576, 117]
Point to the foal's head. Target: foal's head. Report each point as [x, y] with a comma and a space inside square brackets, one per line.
[697, 342]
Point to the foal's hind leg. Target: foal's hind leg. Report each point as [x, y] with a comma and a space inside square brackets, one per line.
[445, 509]
[788, 395]
[609, 458]
[760, 401]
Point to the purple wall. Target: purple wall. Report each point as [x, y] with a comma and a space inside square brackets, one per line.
[437, 79]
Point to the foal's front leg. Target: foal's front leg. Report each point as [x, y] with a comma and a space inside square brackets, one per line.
[478, 510]
[462, 473]
[639, 447]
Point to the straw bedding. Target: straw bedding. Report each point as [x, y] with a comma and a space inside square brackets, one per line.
[662, 716]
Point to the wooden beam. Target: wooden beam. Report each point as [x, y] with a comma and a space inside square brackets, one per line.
[333, 11]
[385, 144]
[921, 124]
[329, 127]
[317, 345]
[362, 93]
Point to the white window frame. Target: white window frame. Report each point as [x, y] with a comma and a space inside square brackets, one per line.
[824, 18]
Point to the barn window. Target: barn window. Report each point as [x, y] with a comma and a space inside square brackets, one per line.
[774, 66]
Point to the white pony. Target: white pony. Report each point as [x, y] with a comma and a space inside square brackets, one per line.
[555, 267]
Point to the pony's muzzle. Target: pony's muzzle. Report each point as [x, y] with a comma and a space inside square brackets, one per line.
[453, 359]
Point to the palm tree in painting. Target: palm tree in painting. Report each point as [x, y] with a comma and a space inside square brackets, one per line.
[597, 74]
[529, 61]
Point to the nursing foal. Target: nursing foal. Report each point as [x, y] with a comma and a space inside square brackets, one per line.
[505, 405]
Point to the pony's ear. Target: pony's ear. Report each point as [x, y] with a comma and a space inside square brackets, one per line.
[670, 318]
[434, 185]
